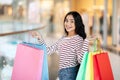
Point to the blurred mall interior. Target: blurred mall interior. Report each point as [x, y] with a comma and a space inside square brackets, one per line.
[18, 17]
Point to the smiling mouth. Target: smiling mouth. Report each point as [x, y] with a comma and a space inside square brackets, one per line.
[68, 27]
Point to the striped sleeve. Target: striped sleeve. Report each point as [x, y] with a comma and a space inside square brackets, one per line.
[53, 48]
[50, 49]
[41, 40]
[80, 50]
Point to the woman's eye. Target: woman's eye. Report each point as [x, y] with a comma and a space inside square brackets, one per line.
[72, 21]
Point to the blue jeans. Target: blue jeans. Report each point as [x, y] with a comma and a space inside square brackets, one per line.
[68, 73]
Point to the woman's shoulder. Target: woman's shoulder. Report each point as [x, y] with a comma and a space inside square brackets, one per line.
[78, 38]
[73, 38]
[60, 39]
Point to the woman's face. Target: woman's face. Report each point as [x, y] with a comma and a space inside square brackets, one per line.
[69, 24]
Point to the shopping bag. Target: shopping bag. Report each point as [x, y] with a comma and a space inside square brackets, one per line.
[86, 68]
[82, 68]
[102, 67]
[96, 69]
[45, 73]
[28, 63]
[89, 67]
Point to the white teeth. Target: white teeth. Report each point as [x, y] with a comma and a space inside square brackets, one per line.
[68, 27]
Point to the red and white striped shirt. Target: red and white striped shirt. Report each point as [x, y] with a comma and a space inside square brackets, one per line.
[70, 50]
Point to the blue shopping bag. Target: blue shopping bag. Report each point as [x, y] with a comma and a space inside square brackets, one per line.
[45, 74]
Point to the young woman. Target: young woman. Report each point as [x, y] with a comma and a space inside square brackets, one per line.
[70, 47]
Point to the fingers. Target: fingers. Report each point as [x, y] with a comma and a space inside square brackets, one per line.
[34, 34]
[92, 37]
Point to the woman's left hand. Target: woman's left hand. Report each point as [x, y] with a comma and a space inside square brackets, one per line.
[91, 39]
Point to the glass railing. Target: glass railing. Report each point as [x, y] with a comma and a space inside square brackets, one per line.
[9, 26]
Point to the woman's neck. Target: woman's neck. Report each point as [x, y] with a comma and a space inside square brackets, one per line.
[71, 34]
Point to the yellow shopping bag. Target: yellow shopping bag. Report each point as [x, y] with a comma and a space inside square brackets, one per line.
[89, 67]
[86, 71]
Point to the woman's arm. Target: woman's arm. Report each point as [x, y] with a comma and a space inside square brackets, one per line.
[81, 49]
[50, 49]
[84, 46]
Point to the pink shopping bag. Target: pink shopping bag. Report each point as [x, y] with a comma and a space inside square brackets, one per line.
[28, 63]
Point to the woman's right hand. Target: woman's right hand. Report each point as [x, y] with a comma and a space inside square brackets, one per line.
[35, 34]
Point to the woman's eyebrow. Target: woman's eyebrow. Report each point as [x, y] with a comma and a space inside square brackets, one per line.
[71, 19]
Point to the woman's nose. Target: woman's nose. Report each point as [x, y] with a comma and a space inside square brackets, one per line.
[68, 23]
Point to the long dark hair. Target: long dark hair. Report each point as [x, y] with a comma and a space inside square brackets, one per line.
[79, 26]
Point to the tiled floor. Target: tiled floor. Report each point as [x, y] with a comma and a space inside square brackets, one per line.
[115, 63]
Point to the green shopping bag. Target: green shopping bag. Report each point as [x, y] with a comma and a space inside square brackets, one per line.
[86, 68]
[82, 69]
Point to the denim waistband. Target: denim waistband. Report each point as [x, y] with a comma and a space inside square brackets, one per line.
[70, 68]
[68, 73]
